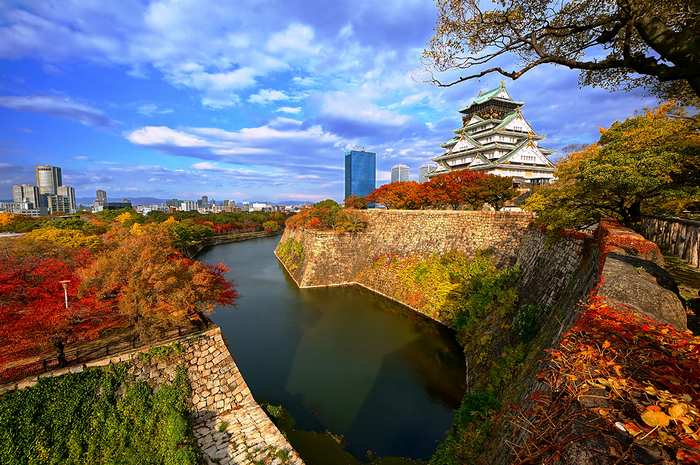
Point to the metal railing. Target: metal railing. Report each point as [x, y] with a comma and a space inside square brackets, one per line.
[79, 356]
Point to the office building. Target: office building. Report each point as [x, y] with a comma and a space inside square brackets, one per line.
[360, 173]
[69, 193]
[424, 170]
[59, 203]
[399, 173]
[26, 193]
[188, 205]
[48, 178]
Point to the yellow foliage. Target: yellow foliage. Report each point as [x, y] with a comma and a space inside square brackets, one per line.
[170, 221]
[136, 230]
[71, 238]
[124, 217]
[5, 218]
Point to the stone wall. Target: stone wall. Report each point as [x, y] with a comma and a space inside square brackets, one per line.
[676, 236]
[229, 425]
[333, 258]
[618, 264]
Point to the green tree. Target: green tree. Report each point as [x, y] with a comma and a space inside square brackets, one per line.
[491, 189]
[636, 44]
[649, 163]
[328, 203]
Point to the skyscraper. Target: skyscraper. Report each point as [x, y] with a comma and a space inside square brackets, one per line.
[424, 169]
[48, 178]
[360, 172]
[399, 173]
[101, 195]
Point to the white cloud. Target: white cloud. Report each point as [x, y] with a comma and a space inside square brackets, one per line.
[149, 109]
[293, 110]
[293, 42]
[266, 96]
[161, 135]
[57, 106]
[348, 106]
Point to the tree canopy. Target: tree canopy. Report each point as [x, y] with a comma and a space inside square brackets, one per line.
[645, 44]
[649, 163]
[151, 282]
[449, 190]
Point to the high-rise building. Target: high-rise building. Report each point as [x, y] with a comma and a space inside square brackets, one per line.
[101, 195]
[399, 173]
[424, 170]
[69, 193]
[188, 205]
[48, 178]
[26, 193]
[360, 173]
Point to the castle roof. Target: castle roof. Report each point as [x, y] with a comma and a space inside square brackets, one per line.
[498, 94]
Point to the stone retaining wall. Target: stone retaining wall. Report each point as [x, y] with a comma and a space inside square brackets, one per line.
[676, 236]
[558, 276]
[333, 258]
[220, 396]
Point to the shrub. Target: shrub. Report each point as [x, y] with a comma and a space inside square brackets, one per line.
[528, 321]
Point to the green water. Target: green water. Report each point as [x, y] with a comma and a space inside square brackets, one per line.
[340, 359]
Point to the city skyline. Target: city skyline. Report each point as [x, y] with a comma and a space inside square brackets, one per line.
[183, 99]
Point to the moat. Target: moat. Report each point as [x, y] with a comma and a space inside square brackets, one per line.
[340, 359]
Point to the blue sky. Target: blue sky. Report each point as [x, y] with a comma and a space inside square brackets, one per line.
[247, 100]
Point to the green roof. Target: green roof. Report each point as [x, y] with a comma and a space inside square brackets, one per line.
[511, 116]
[486, 96]
[491, 93]
[517, 149]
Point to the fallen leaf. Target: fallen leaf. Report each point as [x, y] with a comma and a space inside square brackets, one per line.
[655, 418]
[676, 411]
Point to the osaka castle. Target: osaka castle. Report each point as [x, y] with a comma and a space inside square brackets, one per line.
[496, 139]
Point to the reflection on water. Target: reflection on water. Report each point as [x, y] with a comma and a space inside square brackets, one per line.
[341, 359]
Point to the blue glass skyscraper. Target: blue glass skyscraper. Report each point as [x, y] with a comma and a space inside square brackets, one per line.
[360, 172]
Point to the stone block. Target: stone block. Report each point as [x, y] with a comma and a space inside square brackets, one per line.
[27, 383]
[77, 369]
[99, 363]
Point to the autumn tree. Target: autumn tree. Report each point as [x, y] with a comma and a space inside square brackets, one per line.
[34, 320]
[71, 238]
[153, 284]
[404, 195]
[448, 190]
[492, 189]
[356, 202]
[17, 223]
[351, 220]
[636, 44]
[649, 163]
[271, 226]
